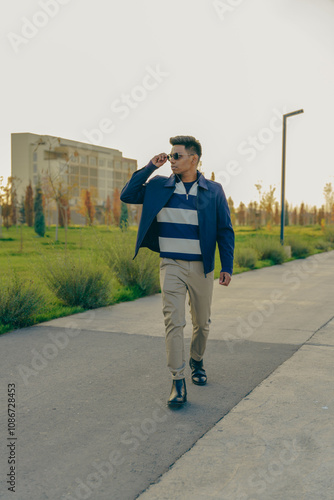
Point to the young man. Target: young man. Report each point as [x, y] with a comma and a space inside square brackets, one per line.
[183, 218]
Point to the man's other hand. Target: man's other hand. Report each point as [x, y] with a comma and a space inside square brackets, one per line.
[225, 279]
[159, 160]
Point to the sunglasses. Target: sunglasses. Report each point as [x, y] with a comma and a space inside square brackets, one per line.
[176, 156]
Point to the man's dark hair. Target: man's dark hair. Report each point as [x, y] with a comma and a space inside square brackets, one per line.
[191, 144]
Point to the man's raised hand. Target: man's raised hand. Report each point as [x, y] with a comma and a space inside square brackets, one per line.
[159, 160]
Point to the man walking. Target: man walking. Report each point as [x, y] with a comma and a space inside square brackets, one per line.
[183, 218]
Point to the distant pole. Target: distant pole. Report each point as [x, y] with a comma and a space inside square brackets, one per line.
[283, 171]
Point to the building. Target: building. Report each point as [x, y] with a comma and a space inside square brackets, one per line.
[71, 165]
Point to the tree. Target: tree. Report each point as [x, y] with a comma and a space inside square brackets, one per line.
[22, 212]
[124, 217]
[64, 212]
[213, 176]
[38, 212]
[7, 205]
[277, 214]
[87, 208]
[1, 200]
[53, 185]
[14, 202]
[232, 209]
[108, 217]
[286, 214]
[321, 215]
[116, 206]
[48, 196]
[29, 206]
[302, 213]
[21, 219]
[241, 214]
[294, 216]
[267, 201]
[314, 215]
[251, 214]
[329, 200]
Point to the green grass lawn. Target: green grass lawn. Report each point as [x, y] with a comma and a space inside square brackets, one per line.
[86, 243]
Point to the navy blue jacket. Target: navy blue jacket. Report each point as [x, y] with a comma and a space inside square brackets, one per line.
[214, 219]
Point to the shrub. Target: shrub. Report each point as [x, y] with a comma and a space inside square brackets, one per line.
[141, 274]
[246, 257]
[19, 301]
[323, 245]
[299, 248]
[269, 249]
[77, 282]
[329, 234]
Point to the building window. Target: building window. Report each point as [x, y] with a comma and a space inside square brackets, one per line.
[35, 168]
[83, 159]
[84, 182]
[102, 174]
[110, 163]
[74, 179]
[35, 180]
[124, 165]
[92, 161]
[74, 170]
[93, 172]
[118, 165]
[102, 162]
[110, 175]
[118, 175]
[83, 170]
[93, 182]
[34, 156]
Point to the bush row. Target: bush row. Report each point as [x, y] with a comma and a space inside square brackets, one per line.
[83, 282]
[266, 248]
[86, 282]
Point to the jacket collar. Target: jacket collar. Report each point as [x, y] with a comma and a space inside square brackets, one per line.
[171, 181]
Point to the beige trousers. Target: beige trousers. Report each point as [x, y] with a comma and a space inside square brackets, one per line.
[177, 277]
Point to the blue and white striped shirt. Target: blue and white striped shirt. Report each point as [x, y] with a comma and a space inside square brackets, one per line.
[178, 225]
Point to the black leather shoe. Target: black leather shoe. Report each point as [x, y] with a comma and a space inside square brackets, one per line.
[198, 374]
[178, 394]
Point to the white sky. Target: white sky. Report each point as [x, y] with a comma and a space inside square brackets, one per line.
[225, 75]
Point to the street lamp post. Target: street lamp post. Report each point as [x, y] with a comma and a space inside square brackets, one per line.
[287, 115]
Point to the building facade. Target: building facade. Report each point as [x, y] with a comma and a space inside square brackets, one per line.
[71, 166]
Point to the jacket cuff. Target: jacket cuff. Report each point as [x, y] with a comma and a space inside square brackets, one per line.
[151, 165]
[225, 270]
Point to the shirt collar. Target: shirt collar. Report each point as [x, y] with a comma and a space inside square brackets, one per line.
[171, 181]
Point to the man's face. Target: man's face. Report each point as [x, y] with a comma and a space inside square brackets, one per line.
[187, 162]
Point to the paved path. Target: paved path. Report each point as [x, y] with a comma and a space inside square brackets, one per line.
[91, 392]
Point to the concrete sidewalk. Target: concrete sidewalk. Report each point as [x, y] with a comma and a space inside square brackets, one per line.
[91, 390]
